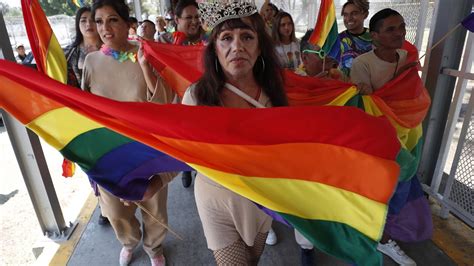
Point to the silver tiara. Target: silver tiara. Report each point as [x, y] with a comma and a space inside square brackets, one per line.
[216, 12]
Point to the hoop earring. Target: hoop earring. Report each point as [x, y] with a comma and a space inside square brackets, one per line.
[217, 68]
[263, 64]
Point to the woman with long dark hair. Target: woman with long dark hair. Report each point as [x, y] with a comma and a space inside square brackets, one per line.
[87, 40]
[241, 71]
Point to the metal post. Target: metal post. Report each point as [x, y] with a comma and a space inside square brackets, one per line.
[138, 9]
[440, 87]
[421, 24]
[453, 115]
[33, 165]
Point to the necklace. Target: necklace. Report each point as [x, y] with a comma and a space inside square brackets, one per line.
[119, 55]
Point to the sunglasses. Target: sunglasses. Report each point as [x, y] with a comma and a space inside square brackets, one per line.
[321, 53]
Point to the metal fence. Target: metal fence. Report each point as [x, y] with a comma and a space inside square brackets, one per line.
[63, 27]
[417, 14]
[455, 191]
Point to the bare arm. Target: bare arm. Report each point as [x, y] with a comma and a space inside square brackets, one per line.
[150, 78]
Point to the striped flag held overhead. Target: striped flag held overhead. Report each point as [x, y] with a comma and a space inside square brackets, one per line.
[45, 46]
[325, 34]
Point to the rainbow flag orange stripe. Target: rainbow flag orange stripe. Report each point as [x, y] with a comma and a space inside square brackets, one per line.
[277, 161]
[45, 46]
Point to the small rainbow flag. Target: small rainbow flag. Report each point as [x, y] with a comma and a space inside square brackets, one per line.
[45, 46]
[325, 34]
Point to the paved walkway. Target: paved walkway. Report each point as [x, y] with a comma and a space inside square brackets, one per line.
[98, 245]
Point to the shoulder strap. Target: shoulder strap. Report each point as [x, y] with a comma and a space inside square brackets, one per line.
[244, 95]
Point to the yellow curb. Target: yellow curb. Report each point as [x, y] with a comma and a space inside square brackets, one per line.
[454, 237]
[65, 249]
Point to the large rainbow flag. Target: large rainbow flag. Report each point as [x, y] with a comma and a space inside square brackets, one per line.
[325, 34]
[403, 100]
[318, 179]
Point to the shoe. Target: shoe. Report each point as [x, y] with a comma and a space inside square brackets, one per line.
[307, 257]
[125, 256]
[271, 238]
[392, 250]
[103, 220]
[186, 178]
[158, 260]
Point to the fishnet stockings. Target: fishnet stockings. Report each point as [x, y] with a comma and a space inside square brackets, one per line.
[234, 254]
[240, 254]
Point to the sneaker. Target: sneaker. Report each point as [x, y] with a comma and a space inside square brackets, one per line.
[103, 220]
[186, 178]
[125, 256]
[307, 257]
[392, 250]
[158, 260]
[271, 238]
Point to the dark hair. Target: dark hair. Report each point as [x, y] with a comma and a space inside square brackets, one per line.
[304, 42]
[377, 20]
[132, 20]
[276, 27]
[274, 7]
[79, 38]
[182, 4]
[147, 20]
[267, 73]
[118, 5]
[361, 4]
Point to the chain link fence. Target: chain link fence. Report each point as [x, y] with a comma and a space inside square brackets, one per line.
[63, 27]
[304, 14]
[462, 191]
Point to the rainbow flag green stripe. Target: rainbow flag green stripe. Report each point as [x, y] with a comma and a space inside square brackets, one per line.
[341, 238]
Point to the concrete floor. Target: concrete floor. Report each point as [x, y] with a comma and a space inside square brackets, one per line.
[98, 245]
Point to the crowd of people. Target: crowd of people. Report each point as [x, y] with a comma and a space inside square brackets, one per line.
[242, 52]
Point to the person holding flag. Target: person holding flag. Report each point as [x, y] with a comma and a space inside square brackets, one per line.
[371, 71]
[355, 40]
[134, 81]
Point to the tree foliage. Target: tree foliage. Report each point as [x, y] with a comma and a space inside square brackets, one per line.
[57, 7]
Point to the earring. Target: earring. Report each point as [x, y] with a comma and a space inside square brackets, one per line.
[217, 67]
[263, 64]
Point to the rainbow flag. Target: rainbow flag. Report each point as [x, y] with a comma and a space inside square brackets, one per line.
[78, 3]
[404, 100]
[49, 56]
[325, 34]
[45, 46]
[337, 182]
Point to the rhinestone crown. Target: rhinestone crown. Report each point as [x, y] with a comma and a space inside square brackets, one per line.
[216, 12]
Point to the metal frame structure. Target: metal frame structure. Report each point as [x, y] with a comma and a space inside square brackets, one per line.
[456, 197]
[448, 198]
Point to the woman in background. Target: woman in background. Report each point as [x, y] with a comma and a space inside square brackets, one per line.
[87, 40]
[287, 46]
